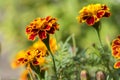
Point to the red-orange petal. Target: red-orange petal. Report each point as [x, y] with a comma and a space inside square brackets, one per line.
[42, 35]
[104, 7]
[51, 31]
[85, 17]
[32, 36]
[115, 53]
[48, 17]
[118, 37]
[117, 65]
[28, 30]
[20, 59]
[90, 20]
[47, 27]
[34, 30]
[56, 26]
[116, 42]
[107, 14]
[35, 62]
[100, 13]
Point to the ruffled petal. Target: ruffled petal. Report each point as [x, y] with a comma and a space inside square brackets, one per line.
[107, 14]
[100, 13]
[90, 20]
[117, 65]
[32, 36]
[42, 35]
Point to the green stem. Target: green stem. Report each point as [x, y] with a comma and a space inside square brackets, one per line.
[96, 27]
[54, 65]
[74, 45]
[98, 34]
[46, 41]
[31, 77]
[111, 73]
[38, 76]
[36, 69]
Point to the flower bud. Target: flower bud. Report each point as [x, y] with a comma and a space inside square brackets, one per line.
[83, 75]
[100, 75]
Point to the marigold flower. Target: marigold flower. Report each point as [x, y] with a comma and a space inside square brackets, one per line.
[32, 55]
[42, 27]
[117, 65]
[93, 13]
[116, 48]
[35, 54]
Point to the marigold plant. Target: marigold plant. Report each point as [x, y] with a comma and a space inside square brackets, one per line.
[42, 60]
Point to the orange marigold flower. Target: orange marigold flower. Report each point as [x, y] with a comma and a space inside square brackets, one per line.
[35, 54]
[117, 65]
[32, 55]
[92, 13]
[116, 48]
[42, 27]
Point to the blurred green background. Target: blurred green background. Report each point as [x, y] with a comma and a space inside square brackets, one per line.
[16, 14]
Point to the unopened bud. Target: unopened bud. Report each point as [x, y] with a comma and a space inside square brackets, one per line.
[100, 75]
[83, 75]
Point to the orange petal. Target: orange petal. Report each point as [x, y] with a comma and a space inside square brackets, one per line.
[24, 75]
[32, 36]
[48, 18]
[28, 30]
[116, 42]
[14, 64]
[51, 31]
[100, 13]
[117, 65]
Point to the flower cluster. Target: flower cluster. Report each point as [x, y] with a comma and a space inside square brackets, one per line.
[116, 51]
[42, 27]
[93, 13]
[35, 54]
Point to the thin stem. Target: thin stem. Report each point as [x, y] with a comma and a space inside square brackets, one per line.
[54, 65]
[107, 65]
[30, 72]
[98, 34]
[36, 70]
[31, 77]
[46, 41]
[38, 76]
[74, 45]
